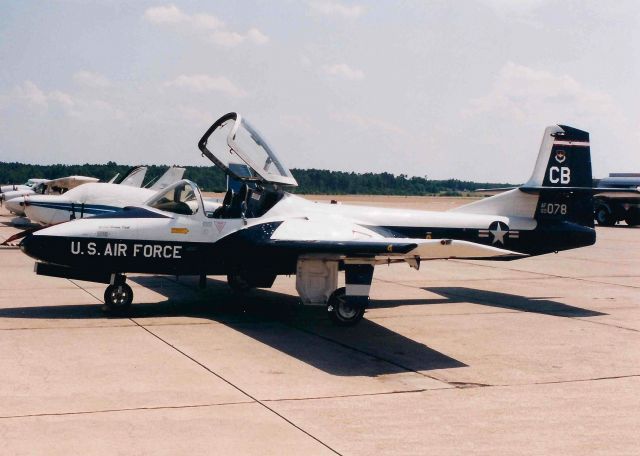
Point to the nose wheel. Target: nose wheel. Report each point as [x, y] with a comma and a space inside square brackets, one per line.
[117, 298]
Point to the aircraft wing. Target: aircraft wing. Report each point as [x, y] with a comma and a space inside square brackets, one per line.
[70, 182]
[385, 249]
[343, 238]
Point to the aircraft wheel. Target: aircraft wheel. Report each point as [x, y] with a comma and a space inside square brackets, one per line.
[118, 298]
[341, 312]
[238, 283]
[604, 217]
[633, 217]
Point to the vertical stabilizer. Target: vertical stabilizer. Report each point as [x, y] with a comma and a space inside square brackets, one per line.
[134, 177]
[173, 174]
[559, 189]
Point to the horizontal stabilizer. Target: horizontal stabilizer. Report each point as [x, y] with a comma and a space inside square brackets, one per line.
[494, 191]
[592, 190]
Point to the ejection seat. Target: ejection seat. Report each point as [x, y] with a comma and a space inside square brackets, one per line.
[234, 204]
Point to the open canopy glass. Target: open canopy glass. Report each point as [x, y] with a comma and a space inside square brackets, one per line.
[232, 141]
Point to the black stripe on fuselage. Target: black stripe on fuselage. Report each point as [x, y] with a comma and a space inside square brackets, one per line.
[545, 238]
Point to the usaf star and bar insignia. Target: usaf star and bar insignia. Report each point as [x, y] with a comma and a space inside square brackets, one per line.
[497, 232]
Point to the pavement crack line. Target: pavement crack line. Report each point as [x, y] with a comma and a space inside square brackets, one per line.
[581, 380]
[253, 398]
[27, 328]
[602, 323]
[544, 274]
[358, 350]
[523, 310]
[132, 409]
[454, 384]
[86, 291]
[344, 396]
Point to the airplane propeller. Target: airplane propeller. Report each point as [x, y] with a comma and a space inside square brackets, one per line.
[24, 233]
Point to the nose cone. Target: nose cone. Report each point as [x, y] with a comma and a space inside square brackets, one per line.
[32, 245]
[44, 248]
[16, 205]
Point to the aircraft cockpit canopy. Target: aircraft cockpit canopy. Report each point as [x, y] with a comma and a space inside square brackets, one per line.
[232, 141]
[183, 197]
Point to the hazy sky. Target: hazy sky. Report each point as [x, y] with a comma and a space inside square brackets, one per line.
[445, 89]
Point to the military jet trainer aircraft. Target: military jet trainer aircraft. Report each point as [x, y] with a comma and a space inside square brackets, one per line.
[262, 231]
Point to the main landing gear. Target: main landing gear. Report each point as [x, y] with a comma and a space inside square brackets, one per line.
[118, 296]
[346, 311]
[317, 285]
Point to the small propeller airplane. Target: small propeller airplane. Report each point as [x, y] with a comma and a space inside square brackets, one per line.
[26, 186]
[261, 230]
[93, 198]
[47, 187]
[133, 178]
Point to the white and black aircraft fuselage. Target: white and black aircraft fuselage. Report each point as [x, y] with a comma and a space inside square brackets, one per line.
[97, 198]
[263, 231]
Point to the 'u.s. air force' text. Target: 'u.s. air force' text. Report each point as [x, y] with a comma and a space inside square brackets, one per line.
[118, 249]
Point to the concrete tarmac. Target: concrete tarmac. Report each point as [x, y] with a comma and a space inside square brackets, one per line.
[536, 356]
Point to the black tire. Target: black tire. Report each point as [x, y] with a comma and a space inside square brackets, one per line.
[633, 216]
[604, 217]
[118, 298]
[238, 283]
[341, 312]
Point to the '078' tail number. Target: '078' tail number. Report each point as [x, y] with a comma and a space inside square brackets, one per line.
[553, 208]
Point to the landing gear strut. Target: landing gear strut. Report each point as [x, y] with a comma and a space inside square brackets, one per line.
[238, 283]
[118, 296]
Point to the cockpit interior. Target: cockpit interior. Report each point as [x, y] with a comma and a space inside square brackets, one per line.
[255, 175]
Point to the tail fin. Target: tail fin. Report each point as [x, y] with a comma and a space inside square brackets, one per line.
[173, 174]
[559, 188]
[562, 177]
[134, 177]
[564, 159]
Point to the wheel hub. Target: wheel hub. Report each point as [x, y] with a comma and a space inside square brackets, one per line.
[346, 310]
[119, 296]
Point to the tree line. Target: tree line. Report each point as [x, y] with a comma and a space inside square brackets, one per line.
[211, 179]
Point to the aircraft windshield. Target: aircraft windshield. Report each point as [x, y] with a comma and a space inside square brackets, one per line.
[232, 141]
[179, 199]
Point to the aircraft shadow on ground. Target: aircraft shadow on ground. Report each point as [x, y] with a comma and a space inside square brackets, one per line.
[274, 319]
[540, 305]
